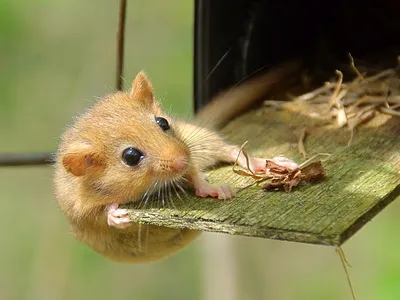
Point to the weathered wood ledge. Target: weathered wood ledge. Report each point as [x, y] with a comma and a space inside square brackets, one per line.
[361, 179]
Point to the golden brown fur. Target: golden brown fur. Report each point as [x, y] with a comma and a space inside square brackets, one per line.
[90, 174]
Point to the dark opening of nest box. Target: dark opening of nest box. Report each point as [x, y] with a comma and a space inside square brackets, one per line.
[236, 38]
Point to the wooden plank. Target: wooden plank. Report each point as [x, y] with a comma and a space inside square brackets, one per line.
[361, 180]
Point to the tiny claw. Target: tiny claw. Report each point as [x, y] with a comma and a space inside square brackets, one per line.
[118, 217]
[285, 162]
[257, 165]
[222, 192]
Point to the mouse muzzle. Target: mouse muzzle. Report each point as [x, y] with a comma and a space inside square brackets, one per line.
[173, 163]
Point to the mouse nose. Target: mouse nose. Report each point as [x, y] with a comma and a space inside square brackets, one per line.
[178, 164]
[172, 163]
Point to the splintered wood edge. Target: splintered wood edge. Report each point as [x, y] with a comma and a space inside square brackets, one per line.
[177, 221]
[171, 218]
[368, 216]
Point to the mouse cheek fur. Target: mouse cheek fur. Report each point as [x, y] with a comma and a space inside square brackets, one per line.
[125, 184]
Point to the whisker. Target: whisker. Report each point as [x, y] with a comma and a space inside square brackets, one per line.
[189, 134]
[182, 179]
[152, 189]
[170, 196]
[195, 136]
[139, 237]
[176, 192]
[181, 188]
[164, 192]
[145, 198]
[159, 195]
[217, 64]
[147, 238]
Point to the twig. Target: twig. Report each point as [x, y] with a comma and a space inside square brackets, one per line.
[352, 129]
[362, 116]
[337, 89]
[345, 264]
[354, 68]
[341, 117]
[308, 161]
[374, 99]
[380, 75]
[396, 106]
[241, 150]
[316, 92]
[26, 159]
[300, 143]
[120, 43]
[274, 103]
[342, 114]
[390, 111]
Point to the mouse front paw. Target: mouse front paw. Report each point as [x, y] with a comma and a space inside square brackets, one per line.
[222, 192]
[118, 217]
[205, 189]
[284, 162]
[257, 164]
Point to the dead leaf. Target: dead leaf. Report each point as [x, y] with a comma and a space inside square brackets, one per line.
[313, 172]
[285, 179]
[275, 168]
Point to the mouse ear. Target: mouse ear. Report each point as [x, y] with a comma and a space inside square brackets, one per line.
[142, 89]
[82, 159]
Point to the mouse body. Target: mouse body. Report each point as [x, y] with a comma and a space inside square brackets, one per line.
[125, 148]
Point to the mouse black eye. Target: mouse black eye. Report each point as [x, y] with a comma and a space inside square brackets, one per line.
[132, 156]
[162, 123]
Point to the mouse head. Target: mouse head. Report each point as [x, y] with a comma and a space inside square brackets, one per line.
[125, 146]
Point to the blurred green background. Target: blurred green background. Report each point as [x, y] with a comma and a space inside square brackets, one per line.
[56, 57]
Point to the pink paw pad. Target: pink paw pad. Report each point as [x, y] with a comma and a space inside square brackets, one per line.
[257, 165]
[285, 162]
[118, 217]
[222, 192]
